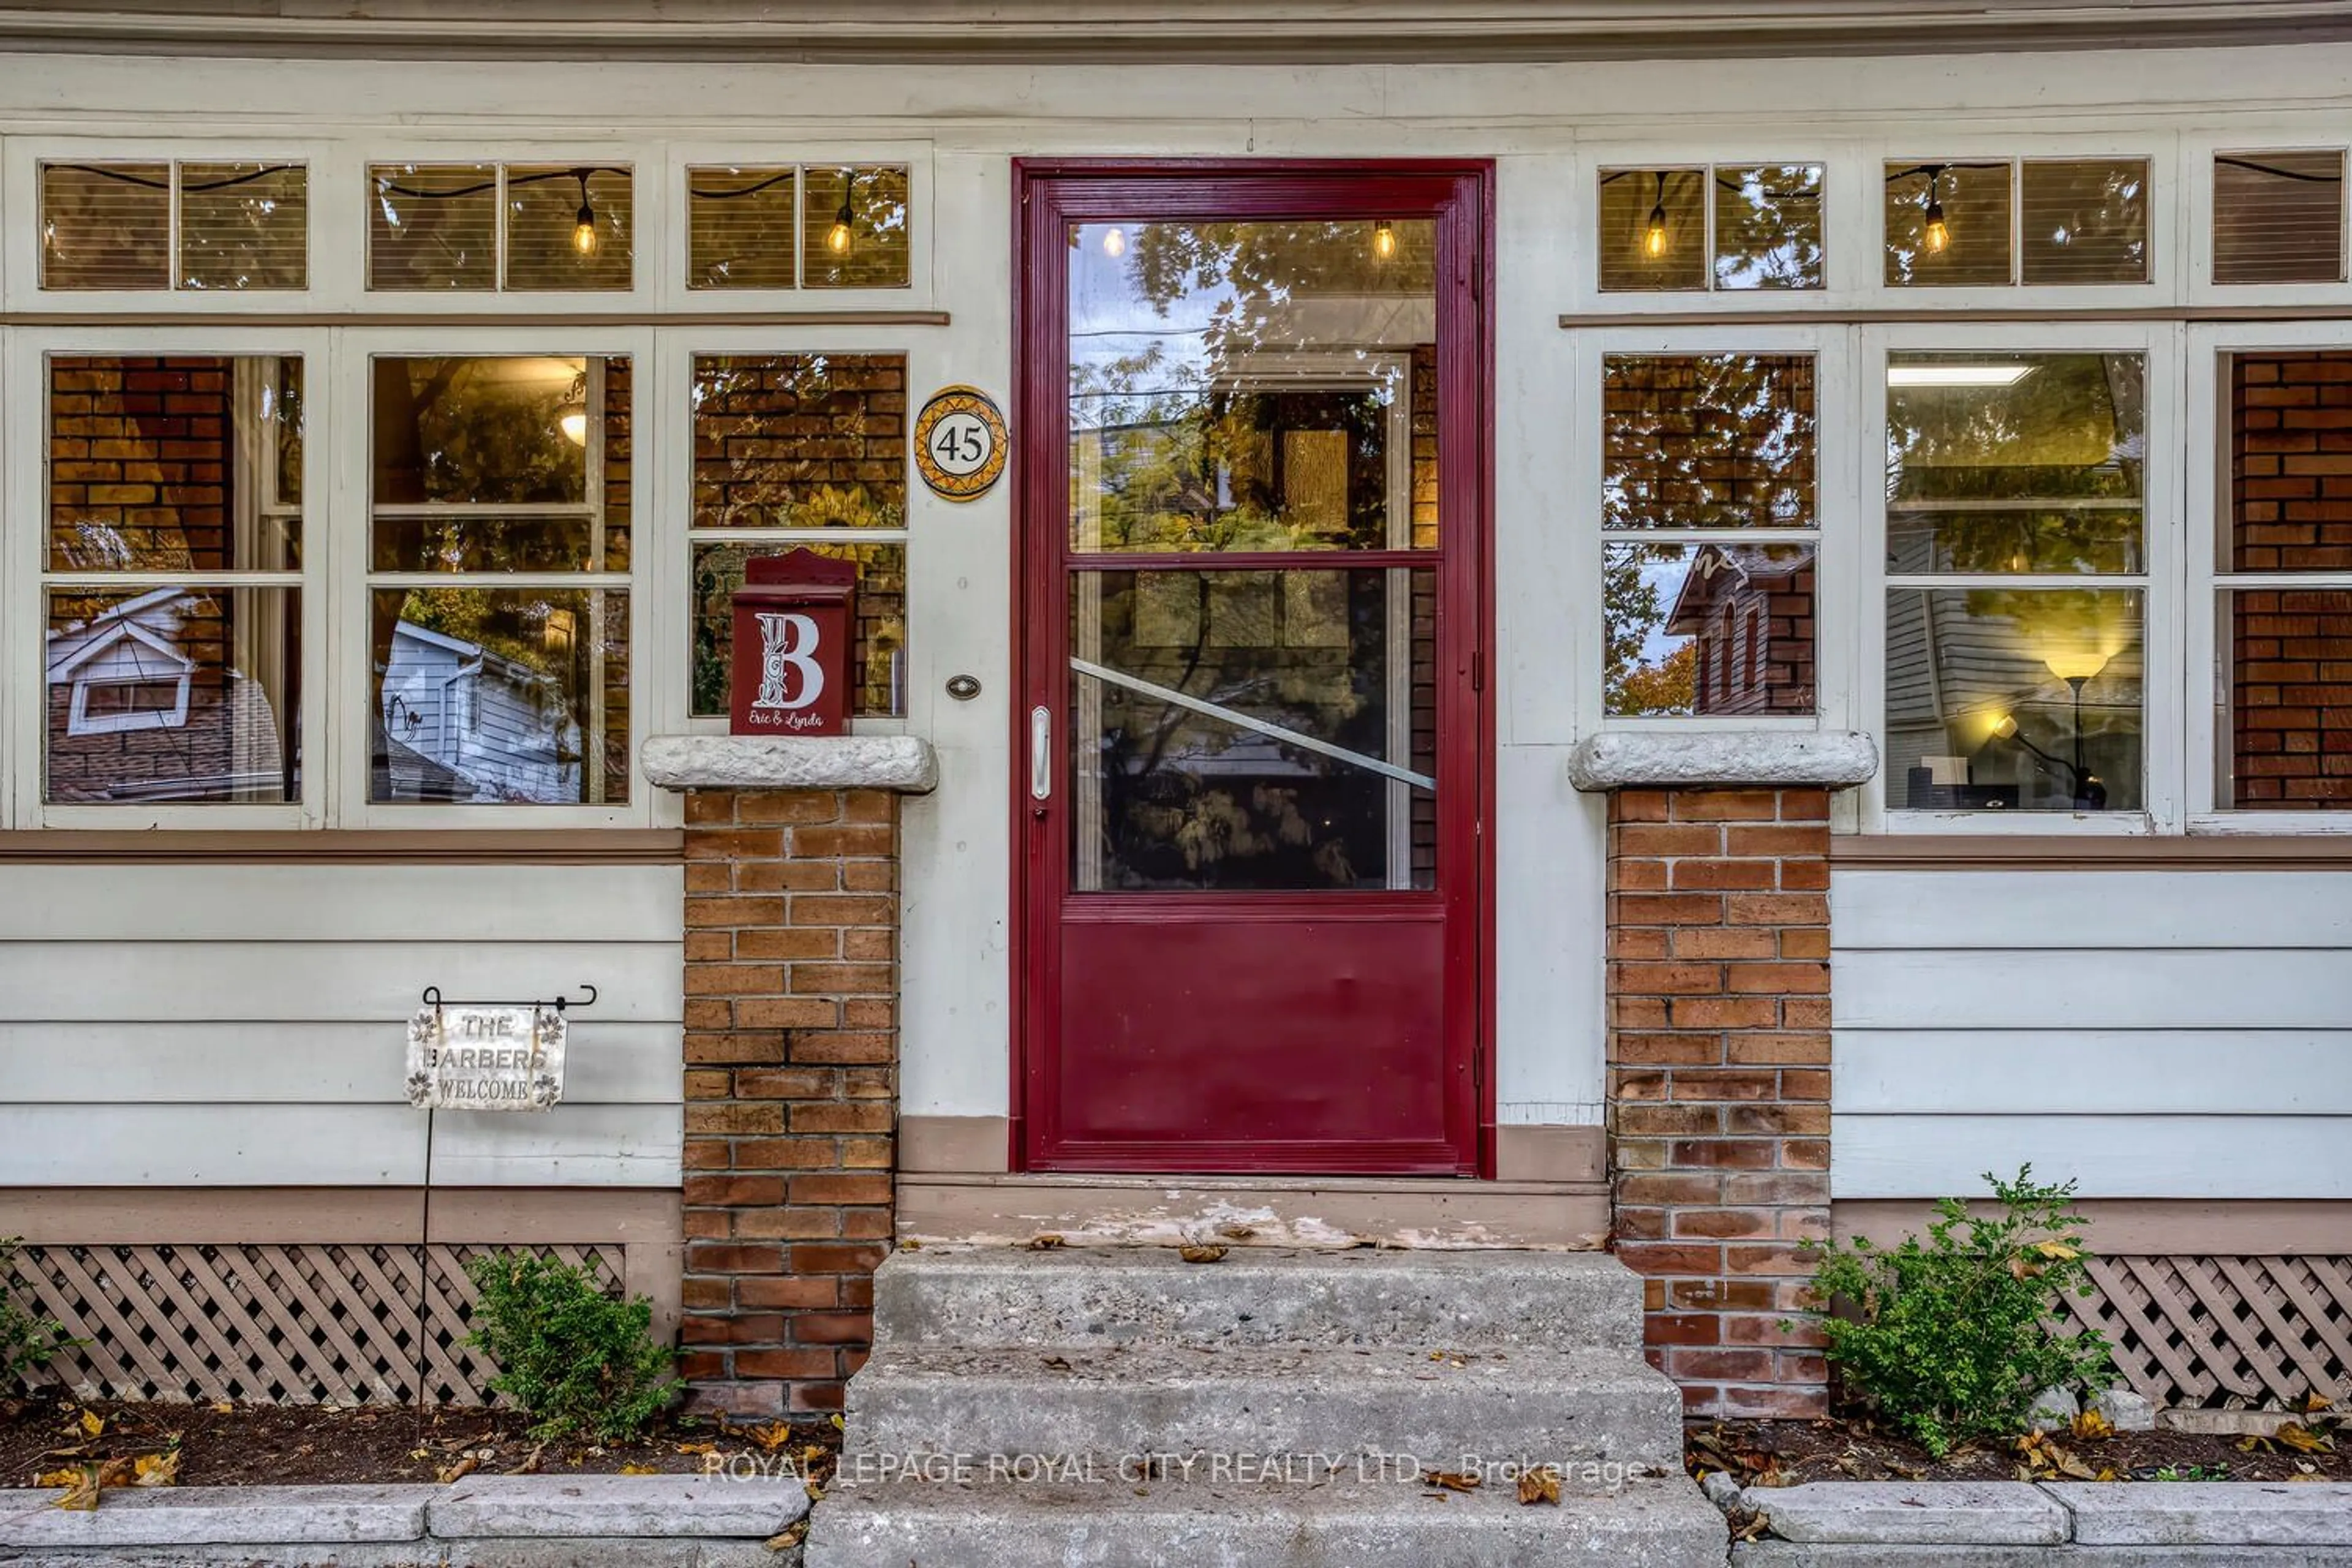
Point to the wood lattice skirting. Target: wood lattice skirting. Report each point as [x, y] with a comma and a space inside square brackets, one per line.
[2208, 1330]
[298, 1324]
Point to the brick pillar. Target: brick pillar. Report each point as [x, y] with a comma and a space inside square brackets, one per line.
[791, 1021]
[1719, 1082]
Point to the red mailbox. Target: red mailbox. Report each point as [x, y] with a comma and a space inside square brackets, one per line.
[796, 619]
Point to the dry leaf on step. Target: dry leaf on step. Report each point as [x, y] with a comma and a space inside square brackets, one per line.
[1454, 1480]
[1045, 1243]
[788, 1540]
[83, 1496]
[1539, 1486]
[1194, 1252]
[1237, 1232]
[156, 1469]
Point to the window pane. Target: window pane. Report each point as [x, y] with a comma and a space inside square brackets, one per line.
[740, 226]
[244, 225]
[2014, 463]
[854, 227]
[184, 463]
[433, 225]
[1330, 784]
[1215, 407]
[568, 228]
[799, 441]
[106, 225]
[1767, 226]
[1653, 229]
[2014, 699]
[1708, 629]
[2290, 463]
[2278, 217]
[173, 694]
[493, 696]
[880, 647]
[1947, 225]
[1707, 441]
[2288, 718]
[2085, 222]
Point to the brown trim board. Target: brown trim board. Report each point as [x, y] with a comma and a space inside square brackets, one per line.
[2138, 1226]
[2021, 852]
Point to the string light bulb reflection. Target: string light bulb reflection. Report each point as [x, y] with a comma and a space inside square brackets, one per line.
[1114, 242]
[583, 224]
[1653, 234]
[839, 237]
[1384, 241]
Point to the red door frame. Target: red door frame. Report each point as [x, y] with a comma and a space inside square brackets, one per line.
[1049, 194]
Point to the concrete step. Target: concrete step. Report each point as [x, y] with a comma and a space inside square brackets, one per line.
[1658, 1523]
[1429, 1301]
[1540, 1406]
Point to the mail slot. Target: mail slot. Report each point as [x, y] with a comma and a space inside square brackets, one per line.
[795, 620]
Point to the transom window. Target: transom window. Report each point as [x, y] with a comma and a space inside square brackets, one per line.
[1714, 226]
[2030, 221]
[173, 225]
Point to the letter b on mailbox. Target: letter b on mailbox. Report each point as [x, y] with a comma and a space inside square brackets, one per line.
[795, 618]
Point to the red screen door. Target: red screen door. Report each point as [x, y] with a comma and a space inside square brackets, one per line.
[1252, 730]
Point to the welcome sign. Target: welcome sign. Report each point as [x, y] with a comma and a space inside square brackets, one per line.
[486, 1057]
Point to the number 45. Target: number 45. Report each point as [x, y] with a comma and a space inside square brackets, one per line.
[960, 442]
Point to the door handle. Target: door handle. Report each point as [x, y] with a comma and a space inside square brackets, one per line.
[1041, 753]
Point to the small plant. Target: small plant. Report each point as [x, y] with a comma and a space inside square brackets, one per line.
[1951, 1338]
[27, 1342]
[579, 1361]
[2192, 1473]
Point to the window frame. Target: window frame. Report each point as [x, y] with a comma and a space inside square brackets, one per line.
[2198, 150]
[1836, 505]
[2162, 722]
[2209, 346]
[20, 220]
[351, 693]
[670, 291]
[678, 348]
[24, 428]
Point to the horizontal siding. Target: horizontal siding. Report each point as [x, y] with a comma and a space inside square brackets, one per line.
[336, 1145]
[247, 1024]
[2111, 1156]
[2093, 1072]
[294, 1063]
[2145, 1034]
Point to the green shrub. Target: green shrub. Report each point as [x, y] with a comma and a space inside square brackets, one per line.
[579, 1362]
[27, 1344]
[1952, 1338]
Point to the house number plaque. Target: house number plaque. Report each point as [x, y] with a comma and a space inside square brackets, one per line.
[960, 443]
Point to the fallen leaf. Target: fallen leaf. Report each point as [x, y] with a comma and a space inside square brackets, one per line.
[788, 1540]
[92, 1422]
[772, 1436]
[2313, 1404]
[697, 1448]
[1455, 1480]
[223, 1407]
[1539, 1486]
[57, 1478]
[2055, 1249]
[838, 1423]
[450, 1474]
[1237, 1232]
[639, 1470]
[83, 1497]
[1057, 1364]
[1046, 1242]
[2303, 1439]
[1193, 1252]
[910, 1245]
[530, 1466]
[156, 1469]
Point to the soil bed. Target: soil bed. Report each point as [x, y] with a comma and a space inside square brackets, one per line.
[297, 1445]
[1789, 1452]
